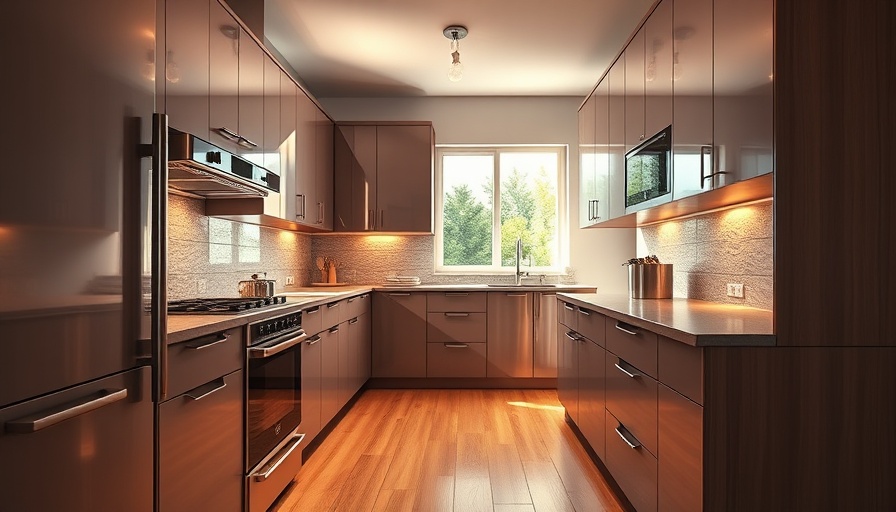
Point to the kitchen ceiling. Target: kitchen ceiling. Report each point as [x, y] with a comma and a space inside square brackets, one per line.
[395, 48]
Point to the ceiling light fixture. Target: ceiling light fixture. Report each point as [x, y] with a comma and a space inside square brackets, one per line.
[455, 33]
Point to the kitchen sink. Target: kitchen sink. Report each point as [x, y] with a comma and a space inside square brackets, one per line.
[524, 285]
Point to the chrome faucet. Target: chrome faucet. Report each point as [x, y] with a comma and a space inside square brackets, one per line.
[519, 255]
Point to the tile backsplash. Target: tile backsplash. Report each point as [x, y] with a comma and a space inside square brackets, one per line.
[207, 257]
[369, 259]
[708, 251]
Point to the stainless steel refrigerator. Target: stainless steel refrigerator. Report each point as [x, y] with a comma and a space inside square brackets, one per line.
[82, 254]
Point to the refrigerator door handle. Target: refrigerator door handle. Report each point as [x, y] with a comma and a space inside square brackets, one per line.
[48, 418]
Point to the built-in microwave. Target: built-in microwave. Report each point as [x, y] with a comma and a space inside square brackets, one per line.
[648, 172]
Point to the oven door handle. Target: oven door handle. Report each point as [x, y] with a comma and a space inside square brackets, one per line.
[262, 352]
[296, 441]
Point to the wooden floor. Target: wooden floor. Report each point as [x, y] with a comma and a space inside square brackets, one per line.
[450, 450]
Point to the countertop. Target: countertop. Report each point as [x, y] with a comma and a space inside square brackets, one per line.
[694, 322]
[186, 327]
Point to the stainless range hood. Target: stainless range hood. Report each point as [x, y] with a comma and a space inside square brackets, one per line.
[200, 169]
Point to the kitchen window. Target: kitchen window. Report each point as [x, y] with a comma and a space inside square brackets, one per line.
[488, 196]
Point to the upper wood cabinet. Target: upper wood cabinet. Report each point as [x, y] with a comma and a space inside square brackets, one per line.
[383, 177]
[587, 166]
[743, 54]
[707, 65]
[658, 69]
[186, 64]
[224, 75]
[616, 137]
[323, 171]
[692, 99]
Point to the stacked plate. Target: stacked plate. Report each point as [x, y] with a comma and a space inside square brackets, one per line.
[402, 281]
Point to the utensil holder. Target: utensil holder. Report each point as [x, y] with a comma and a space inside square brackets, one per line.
[650, 281]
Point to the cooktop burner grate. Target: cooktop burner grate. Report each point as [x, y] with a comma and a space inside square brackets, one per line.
[229, 305]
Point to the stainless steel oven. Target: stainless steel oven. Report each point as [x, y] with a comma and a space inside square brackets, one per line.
[273, 407]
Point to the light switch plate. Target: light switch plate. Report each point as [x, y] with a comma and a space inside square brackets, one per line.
[290, 280]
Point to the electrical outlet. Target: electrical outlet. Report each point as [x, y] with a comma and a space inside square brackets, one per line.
[736, 290]
[201, 286]
[290, 280]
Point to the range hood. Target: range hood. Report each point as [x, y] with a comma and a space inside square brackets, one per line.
[199, 168]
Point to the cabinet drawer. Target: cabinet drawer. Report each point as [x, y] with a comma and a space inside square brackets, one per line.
[200, 360]
[567, 313]
[357, 306]
[455, 359]
[333, 313]
[634, 344]
[632, 399]
[633, 468]
[681, 368]
[455, 326]
[312, 320]
[681, 452]
[456, 301]
[591, 325]
[202, 434]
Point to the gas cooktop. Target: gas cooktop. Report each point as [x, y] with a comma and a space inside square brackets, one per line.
[221, 306]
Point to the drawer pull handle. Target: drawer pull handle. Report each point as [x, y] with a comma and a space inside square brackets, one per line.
[208, 341]
[457, 294]
[456, 345]
[571, 335]
[333, 330]
[569, 307]
[400, 294]
[51, 417]
[625, 435]
[296, 441]
[517, 294]
[312, 340]
[353, 320]
[584, 312]
[333, 304]
[315, 309]
[632, 374]
[206, 389]
[619, 325]
[457, 315]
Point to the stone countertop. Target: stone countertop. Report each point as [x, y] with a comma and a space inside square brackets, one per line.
[694, 322]
[186, 327]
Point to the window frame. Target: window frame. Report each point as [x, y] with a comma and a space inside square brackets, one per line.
[562, 151]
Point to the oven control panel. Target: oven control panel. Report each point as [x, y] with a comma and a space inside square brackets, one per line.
[274, 327]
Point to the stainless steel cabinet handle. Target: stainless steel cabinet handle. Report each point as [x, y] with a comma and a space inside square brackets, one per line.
[371, 219]
[302, 214]
[625, 435]
[395, 294]
[262, 352]
[333, 305]
[584, 312]
[208, 341]
[312, 340]
[50, 417]
[619, 325]
[353, 321]
[246, 143]
[456, 345]
[457, 294]
[311, 311]
[333, 330]
[350, 299]
[229, 134]
[516, 294]
[206, 389]
[320, 213]
[568, 306]
[296, 441]
[572, 336]
[631, 373]
[457, 314]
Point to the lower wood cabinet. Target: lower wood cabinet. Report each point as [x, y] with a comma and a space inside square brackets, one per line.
[311, 387]
[681, 452]
[592, 401]
[632, 466]
[455, 359]
[399, 334]
[568, 370]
